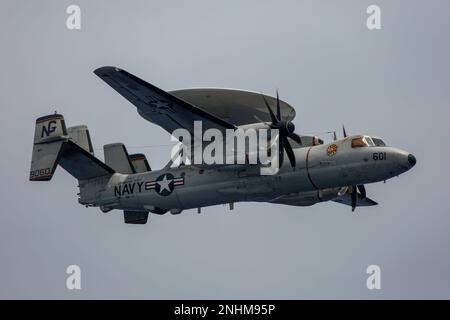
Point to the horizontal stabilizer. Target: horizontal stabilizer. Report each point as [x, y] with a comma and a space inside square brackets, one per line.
[80, 163]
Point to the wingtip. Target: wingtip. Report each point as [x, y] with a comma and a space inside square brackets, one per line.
[106, 69]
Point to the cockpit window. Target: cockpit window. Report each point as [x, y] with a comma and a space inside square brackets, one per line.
[378, 142]
[359, 143]
[369, 141]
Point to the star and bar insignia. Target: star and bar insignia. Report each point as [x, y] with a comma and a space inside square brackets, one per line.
[165, 184]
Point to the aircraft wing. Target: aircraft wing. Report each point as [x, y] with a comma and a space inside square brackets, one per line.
[345, 199]
[362, 202]
[157, 105]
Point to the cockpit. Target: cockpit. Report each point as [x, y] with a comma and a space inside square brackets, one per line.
[366, 141]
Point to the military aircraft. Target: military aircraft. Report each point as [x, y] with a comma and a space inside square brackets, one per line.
[315, 171]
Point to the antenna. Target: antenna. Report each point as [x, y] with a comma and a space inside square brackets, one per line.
[343, 131]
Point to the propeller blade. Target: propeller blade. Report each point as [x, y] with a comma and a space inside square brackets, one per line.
[345, 132]
[362, 190]
[334, 136]
[342, 191]
[354, 196]
[280, 151]
[272, 116]
[289, 152]
[295, 137]
[278, 107]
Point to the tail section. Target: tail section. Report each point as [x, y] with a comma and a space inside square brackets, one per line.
[80, 135]
[81, 164]
[49, 135]
[116, 156]
[71, 149]
[140, 162]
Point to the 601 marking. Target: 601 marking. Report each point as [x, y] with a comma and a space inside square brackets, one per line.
[379, 156]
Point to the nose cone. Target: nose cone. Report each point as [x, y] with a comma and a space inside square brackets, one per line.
[403, 161]
[412, 160]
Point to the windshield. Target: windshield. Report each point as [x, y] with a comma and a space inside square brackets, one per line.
[359, 142]
[367, 141]
[378, 142]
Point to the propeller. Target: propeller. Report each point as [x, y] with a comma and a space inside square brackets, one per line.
[353, 190]
[286, 129]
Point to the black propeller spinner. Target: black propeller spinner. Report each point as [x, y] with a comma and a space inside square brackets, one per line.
[286, 129]
[354, 189]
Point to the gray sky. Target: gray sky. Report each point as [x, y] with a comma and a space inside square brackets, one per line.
[394, 82]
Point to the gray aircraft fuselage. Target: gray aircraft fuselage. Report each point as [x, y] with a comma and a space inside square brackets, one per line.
[319, 175]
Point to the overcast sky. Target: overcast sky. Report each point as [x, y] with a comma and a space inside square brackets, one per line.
[393, 82]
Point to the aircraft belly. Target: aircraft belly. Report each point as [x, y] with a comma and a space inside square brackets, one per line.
[205, 195]
[206, 188]
[212, 187]
[154, 199]
[326, 177]
[288, 181]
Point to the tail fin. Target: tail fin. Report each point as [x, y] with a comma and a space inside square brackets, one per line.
[80, 135]
[116, 156]
[53, 145]
[140, 162]
[49, 135]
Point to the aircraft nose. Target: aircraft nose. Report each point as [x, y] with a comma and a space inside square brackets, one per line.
[412, 160]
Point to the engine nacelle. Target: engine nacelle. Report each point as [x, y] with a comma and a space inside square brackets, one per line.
[308, 198]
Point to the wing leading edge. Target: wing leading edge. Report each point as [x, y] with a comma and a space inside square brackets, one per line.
[157, 105]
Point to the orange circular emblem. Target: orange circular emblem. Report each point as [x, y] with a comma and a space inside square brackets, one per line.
[332, 149]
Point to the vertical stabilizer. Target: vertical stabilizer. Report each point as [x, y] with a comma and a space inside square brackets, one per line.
[116, 156]
[140, 162]
[49, 135]
[80, 135]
